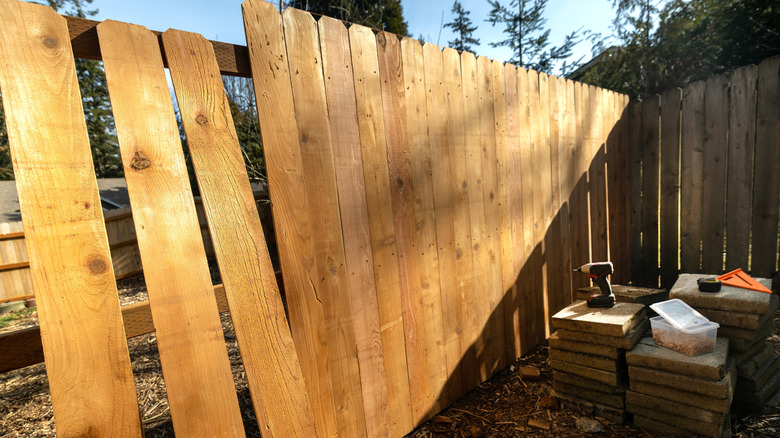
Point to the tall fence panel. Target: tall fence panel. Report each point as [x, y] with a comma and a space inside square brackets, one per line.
[713, 149]
[456, 193]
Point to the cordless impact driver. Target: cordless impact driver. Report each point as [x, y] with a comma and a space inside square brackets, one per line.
[598, 272]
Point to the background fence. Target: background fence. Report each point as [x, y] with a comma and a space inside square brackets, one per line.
[15, 281]
[706, 167]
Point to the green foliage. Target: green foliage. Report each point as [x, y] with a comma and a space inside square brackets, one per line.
[524, 26]
[241, 98]
[464, 29]
[380, 14]
[684, 41]
[6, 169]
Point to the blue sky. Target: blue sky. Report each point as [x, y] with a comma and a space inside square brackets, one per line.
[221, 20]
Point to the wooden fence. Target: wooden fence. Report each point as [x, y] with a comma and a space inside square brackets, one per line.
[706, 161]
[15, 281]
[429, 206]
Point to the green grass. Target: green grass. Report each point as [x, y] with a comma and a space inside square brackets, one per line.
[7, 319]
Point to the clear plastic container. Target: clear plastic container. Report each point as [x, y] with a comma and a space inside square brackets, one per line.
[681, 328]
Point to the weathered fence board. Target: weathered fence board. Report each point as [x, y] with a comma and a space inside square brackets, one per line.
[739, 178]
[766, 178]
[691, 169]
[669, 189]
[722, 136]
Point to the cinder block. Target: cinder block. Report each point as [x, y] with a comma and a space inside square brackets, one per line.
[614, 321]
[607, 377]
[749, 321]
[750, 365]
[760, 377]
[614, 400]
[719, 389]
[585, 347]
[756, 399]
[747, 334]
[651, 421]
[711, 366]
[637, 402]
[588, 360]
[628, 294]
[573, 379]
[730, 299]
[626, 342]
[590, 408]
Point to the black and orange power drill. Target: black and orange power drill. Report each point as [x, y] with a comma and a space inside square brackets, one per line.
[598, 272]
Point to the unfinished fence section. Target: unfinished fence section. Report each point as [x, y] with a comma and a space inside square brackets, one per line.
[429, 206]
[707, 158]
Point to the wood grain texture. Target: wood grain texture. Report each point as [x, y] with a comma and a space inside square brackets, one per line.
[380, 216]
[555, 271]
[199, 383]
[281, 146]
[331, 284]
[596, 176]
[741, 152]
[461, 213]
[436, 100]
[569, 178]
[716, 101]
[691, 170]
[423, 185]
[635, 175]
[650, 164]
[514, 302]
[537, 303]
[767, 177]
[88, 366]
[347, 155]
[398, 162]
[471, 156]
[267, 351]
[487, 88]
[545, 211]
[670, 185]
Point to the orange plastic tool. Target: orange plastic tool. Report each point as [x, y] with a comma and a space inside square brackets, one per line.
[738, 278]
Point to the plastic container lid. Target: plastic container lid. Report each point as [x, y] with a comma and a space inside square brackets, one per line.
[682, 316]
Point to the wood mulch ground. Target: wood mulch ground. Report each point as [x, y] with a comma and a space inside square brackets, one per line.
[504, 406]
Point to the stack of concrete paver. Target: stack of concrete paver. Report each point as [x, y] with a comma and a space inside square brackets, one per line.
[746, 318]
[681, 395]
[588, 355]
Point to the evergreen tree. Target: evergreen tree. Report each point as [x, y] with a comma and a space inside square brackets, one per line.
[241, 98]
[527, 37]
[95, 100]
[6, 168]
[379, 14]
[684, 41]
[463, 28]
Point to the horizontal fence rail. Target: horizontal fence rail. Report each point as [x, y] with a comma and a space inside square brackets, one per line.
[706, 186]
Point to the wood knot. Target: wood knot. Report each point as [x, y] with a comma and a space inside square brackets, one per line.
[458, 254]
[399, 183]
[476, 247]
[381, 39]
[304, 138]
[202, 120]
[140, 161]
[50, 42]
[97, 265]
[464, 185]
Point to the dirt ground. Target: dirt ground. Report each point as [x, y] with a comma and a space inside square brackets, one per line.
[504, 406]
